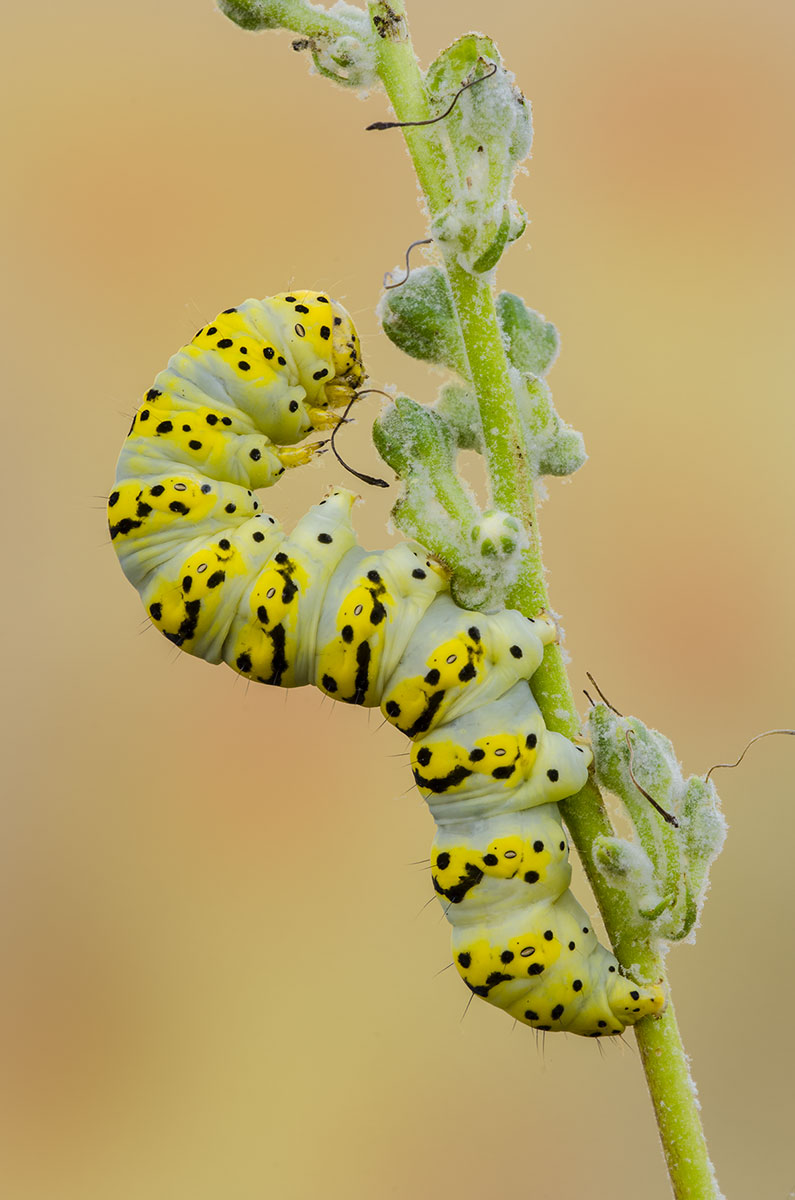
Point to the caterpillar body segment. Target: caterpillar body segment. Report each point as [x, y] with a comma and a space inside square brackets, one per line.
[222, 580]
[467, 771]
[385, 595]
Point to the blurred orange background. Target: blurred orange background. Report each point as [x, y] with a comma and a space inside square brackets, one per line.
[218, 975]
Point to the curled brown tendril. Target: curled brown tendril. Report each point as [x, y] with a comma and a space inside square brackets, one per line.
[767, 733]
[665, 815]
[372, 480]
[400, 282]
[441, 116]
[601, 695]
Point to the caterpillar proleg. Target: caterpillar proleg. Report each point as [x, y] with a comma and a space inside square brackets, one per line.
[222, 580]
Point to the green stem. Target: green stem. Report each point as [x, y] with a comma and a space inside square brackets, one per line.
[674, 1098]
[400, 74]
[296, 15]
[511, 479]
[509, 469]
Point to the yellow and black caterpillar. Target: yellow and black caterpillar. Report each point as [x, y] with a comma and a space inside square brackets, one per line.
[221, 580]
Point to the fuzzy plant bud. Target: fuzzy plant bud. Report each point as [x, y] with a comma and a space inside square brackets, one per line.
[420, 447]
[626, 866]
[677, 822]
[498, 535]
[344, 53]
[554, 447]
[488, 132]
[436, 506]
[458, 406]
[257, 14]
[420, 319]
[531, 342]
[623, 747]
[410, 437]
[339, 39]
[634, 763]
[347, 61]
[704, 832]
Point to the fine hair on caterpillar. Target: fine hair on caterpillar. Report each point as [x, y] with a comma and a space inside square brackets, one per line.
[222, 581]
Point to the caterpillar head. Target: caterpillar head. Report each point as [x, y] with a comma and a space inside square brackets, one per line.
[346, 358]
[324, 345]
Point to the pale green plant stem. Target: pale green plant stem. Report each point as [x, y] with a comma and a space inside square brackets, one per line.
[662, 1053]
[299, 16]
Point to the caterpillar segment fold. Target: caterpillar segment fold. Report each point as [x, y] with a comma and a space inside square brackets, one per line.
[221, 579]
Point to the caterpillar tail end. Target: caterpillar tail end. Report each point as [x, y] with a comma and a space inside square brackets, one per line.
[630, 1002]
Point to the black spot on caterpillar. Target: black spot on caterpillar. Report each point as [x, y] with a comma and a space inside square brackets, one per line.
[221, 580]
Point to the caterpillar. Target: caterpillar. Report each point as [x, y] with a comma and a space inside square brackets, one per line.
[221, 579]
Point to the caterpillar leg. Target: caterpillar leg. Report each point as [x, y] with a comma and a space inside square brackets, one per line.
[323, 418]
[298, 456]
